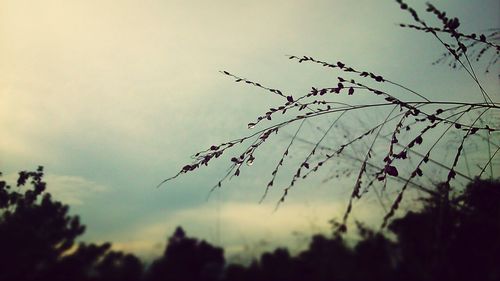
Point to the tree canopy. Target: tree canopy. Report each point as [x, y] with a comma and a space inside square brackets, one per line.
[453, 237]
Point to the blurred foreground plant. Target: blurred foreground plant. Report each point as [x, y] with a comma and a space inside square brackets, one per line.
[411, 131]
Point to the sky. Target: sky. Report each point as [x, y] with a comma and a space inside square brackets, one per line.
[113, 96]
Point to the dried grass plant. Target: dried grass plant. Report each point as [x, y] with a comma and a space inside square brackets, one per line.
[402, 131]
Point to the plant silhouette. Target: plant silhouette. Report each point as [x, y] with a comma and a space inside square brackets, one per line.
[412, 127]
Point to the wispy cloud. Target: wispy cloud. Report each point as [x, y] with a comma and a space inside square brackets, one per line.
[238, 226]
[72, 190]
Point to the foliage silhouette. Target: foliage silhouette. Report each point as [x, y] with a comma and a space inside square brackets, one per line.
[188, 259]
[37, 239]
[452, 238]
[455, 236]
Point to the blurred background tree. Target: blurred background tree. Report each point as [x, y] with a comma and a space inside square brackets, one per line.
[37, 239]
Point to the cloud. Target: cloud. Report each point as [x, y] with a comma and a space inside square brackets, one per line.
[71, 190]
[123, 75]
[145, 249]
[242, 228]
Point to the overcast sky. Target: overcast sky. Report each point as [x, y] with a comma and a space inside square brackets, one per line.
[113, 96]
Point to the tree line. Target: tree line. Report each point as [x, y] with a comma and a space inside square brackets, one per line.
[452, 237]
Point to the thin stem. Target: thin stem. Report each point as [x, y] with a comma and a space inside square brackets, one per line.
[489, 163]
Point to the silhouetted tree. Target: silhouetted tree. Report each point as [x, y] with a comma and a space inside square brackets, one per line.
[187, 259]
[375, 256]
[117, 266]
[455, 236]
[452, 238]
[34, 230]
[37, 239]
